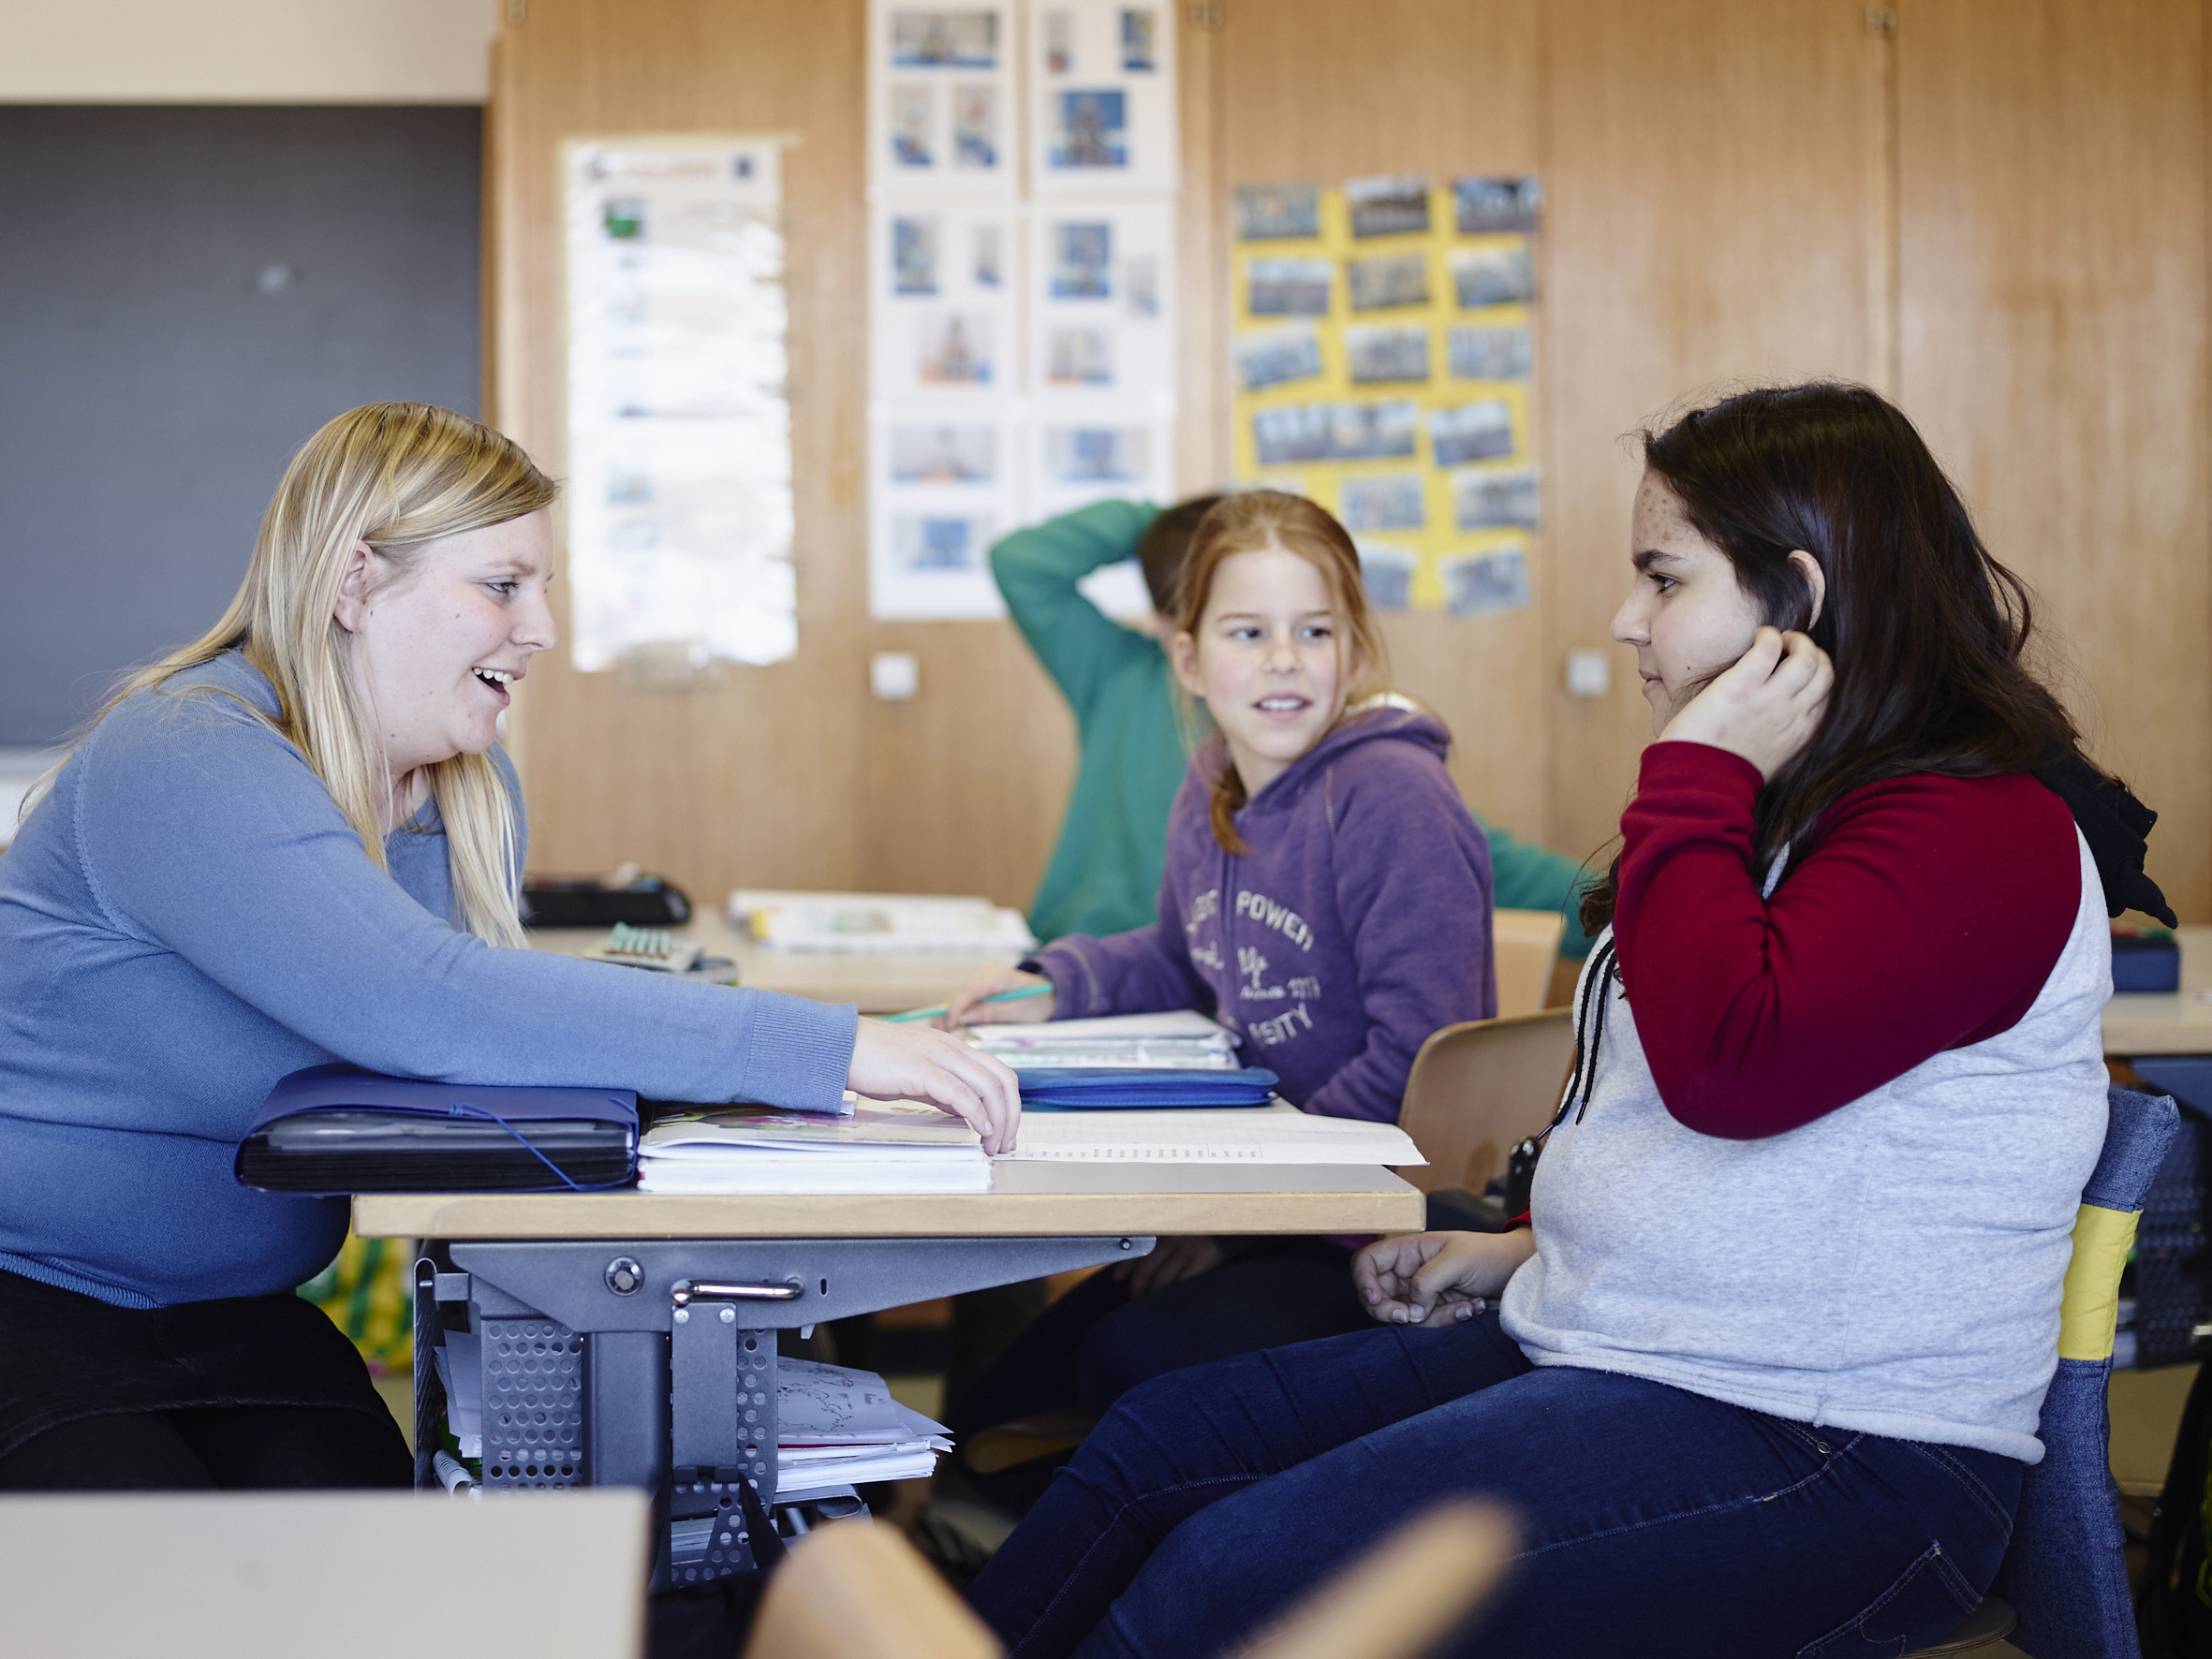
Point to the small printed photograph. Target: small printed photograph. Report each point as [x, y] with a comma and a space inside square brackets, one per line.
[624, 218]
[1395, 205]
[990, 262]
[1472, 432]
[1288, 287]
[1276, 357]
[944, 455]
[1388, 352]
[912, 110]
[1496, 498]
[1059, 43]
[1479, 206]
[975, 127]
[1140, 276]
[1387, 573]
[1387, 280]
[1140, 40]
[956, 350]
[1093, 130]
[1083, 261]
[914, 256]
[1491, 354]
[1371, 432]
[1097, 454]
[1477, 583]
[1079, 356]
[1390, 502]
[1277, 213]
[1284, 438]
[1493, 276]
[933, 543]
[944, 39]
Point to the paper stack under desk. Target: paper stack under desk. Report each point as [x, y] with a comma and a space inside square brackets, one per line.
[897, 1146]
[837, 1427]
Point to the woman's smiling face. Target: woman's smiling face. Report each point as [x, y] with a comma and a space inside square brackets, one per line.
[436, 646]
[1687, 615]
[1266, 658]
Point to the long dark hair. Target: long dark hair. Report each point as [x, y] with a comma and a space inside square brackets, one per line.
[1926, 630]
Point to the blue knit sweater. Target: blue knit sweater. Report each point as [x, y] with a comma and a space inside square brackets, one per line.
[188, 916]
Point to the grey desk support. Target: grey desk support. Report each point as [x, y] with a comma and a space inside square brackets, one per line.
[651, 1363]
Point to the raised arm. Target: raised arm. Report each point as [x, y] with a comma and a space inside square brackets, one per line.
[1925, 916]
[1037, 570]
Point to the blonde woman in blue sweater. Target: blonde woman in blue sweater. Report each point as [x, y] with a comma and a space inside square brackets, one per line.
[293, 841]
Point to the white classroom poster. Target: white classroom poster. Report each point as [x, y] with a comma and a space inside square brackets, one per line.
[1021, 343]
[679, 431]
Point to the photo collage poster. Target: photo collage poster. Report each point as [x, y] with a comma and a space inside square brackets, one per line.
[1384, 346]
[679, 430]
[1021, 355]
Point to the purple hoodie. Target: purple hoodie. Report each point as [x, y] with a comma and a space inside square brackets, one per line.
[1358, 924]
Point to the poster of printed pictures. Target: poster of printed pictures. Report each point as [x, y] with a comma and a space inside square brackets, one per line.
[1021, 349]
[1101, 98]
[1383, 349]
[679, 431]
[941, 113]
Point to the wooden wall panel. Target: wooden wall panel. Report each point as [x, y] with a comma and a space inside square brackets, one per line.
[757, 779]
[1314, 89]
[2053, 178]
[1708, 195]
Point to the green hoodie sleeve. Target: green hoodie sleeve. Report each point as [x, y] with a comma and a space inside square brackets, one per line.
[1524, 876]
[1037, 570]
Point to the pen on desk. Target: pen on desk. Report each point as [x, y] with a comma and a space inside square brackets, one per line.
[1003, 996]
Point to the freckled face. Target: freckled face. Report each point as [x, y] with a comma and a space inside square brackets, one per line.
[1687, 615]
[1266, 658]
[437, 647]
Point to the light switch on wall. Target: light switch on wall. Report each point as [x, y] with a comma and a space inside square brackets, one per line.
[894, 676]
[1589, 673]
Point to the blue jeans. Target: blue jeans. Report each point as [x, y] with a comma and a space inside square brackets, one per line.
[1653, 1521]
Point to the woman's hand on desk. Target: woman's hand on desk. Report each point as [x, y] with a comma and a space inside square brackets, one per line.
[1434, 1278]
[971, 1004]
[920, 1063]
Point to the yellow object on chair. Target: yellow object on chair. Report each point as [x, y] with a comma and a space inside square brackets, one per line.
[2089, 1306]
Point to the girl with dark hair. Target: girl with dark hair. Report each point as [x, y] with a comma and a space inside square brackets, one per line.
[1326, 896]
[1763, 1373]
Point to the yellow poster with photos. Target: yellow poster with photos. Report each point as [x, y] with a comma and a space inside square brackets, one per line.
[1383, 351]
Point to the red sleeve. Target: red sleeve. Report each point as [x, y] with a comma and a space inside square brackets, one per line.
[1926, 915]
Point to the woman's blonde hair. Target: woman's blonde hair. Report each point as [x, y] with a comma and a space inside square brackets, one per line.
[397, 477]
[1253, 521]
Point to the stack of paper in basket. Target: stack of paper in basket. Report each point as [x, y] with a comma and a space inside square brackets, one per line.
[839, 1426]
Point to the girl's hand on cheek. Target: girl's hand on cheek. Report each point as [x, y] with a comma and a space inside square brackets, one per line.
[1767, 707]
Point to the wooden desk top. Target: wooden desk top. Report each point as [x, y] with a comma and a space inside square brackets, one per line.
[883, 982]
[1028, 1200]
[2175, 1022]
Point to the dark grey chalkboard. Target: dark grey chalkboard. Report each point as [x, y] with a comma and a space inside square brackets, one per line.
[186, 294]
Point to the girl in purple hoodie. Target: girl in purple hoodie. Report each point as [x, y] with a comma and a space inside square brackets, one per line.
[1326, 898]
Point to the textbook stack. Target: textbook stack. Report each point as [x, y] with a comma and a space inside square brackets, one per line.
[839, 1427]
[899, 1146]
[877, 923]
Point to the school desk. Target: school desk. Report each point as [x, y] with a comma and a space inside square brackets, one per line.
[886, 982]
[2169, 1022]
[626, 1334]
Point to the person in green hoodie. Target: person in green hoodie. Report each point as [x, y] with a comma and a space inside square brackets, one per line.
[1104, 874]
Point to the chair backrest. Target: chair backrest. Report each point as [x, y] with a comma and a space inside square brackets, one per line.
[1477, 1089]
[856, 1590]
[1523, 944]
[339, 1574]
[1395, 1601]
[2064, 1572]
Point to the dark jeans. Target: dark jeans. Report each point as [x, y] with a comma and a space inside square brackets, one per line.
[245, 1446]
[1653, 1521]
[1097, 1341]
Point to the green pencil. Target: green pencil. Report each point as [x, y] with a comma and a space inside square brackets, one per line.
[1002, 996]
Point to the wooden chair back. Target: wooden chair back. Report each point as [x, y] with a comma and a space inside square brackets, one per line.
[1525, 943]
[1477, 1089]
